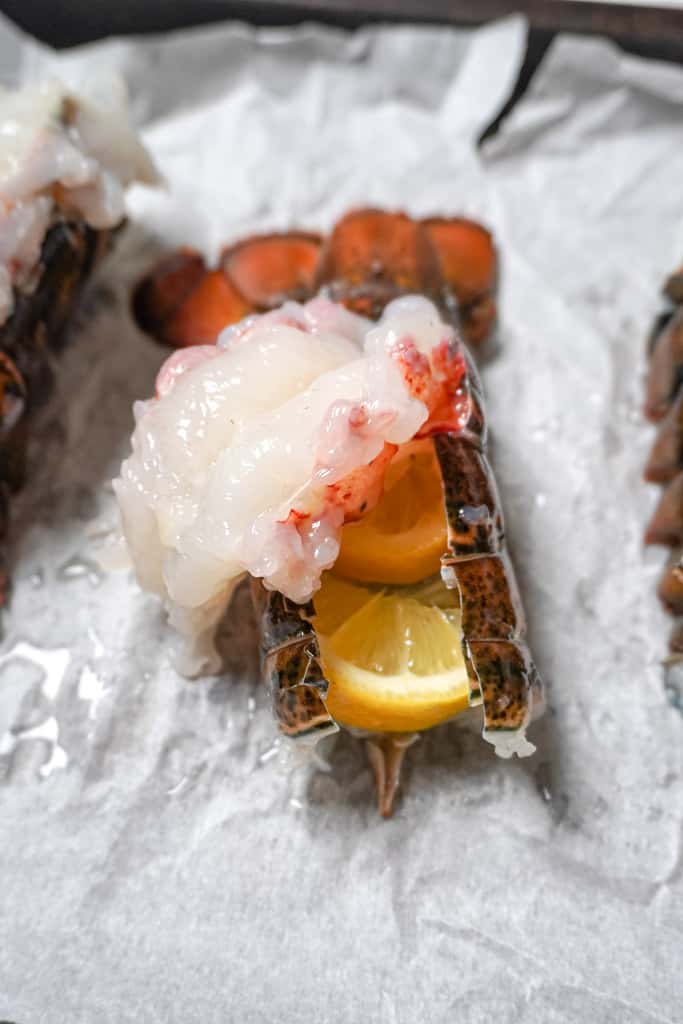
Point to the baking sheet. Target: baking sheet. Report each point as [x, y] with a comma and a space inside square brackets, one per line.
[157, 862]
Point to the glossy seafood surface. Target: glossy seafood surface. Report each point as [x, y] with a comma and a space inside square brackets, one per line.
[62, 155]
[256, 451]
[267, 489]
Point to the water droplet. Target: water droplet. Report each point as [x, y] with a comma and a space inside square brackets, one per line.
[54, 664]
[91, 689]
[100, 529]
[251, 707]
[673, 685]
[600, 806]
[46, 732]
[98, 646]
[270, 753]
[296, 804]
[179, 787]
[584, 596]
[541, 500]
[558, 803]
[189, 779]
[77, 567]
[37, 579]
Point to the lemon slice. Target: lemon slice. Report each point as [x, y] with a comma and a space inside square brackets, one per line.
[393, 658]
[402, 539]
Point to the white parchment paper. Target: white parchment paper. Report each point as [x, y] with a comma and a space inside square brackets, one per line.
[155, 865]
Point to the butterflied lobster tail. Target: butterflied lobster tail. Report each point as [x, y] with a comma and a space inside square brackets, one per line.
[664, 405]
[370, 259]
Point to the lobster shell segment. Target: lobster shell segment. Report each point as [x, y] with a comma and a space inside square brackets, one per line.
[290, 664]
[182, 303]
[664, 403]
[39, 319]
[36, 328]
[670, 589]
[373, 256]
[666, 368]
[469, 266]
[269, 269]
[370, 258]
[673, 287]
[490, 604]
[666, 454]
[666, 525]
[13, 426]
[504, 675]
[475, 522]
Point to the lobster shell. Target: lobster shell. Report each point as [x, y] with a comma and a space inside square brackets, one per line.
[36, 329]
[664, 404]
[370, 258]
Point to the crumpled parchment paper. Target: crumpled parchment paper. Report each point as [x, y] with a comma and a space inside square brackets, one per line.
[155, 862]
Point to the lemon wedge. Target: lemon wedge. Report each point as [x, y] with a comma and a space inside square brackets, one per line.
[393, 657]
[401, 541]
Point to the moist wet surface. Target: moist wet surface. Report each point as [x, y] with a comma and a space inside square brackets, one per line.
[154, 848]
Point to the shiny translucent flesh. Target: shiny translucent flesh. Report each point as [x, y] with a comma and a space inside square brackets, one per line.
[256, 451]
[59, 151]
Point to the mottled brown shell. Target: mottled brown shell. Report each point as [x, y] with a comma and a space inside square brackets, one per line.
[13, 427]
[37, 325]
[666, 455]
[664, 403]
[290, 663]
[36, 328]
[666, 367]
[41, 313]
[670, 589]
[370, 258]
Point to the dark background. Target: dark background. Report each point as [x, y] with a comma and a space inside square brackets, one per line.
[647, 31]
[67, 22]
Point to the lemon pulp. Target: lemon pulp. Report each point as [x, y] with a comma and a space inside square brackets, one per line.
[403, 538]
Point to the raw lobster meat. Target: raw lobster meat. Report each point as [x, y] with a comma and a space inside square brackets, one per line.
[664, 405]
[371, 258]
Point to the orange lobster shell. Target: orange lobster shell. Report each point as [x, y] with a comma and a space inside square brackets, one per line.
[377, 256]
